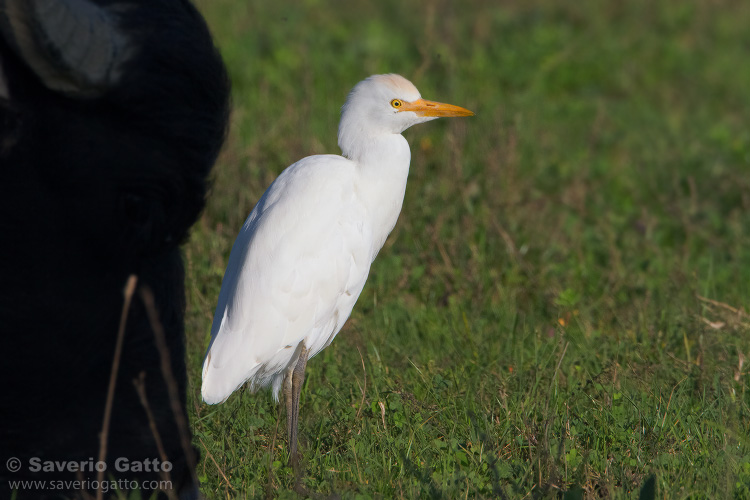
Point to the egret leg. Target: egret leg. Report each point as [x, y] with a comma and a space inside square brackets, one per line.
[293, 388]
[288, 401]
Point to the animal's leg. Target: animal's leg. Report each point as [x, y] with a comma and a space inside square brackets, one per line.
[297, 379]
[293, 385]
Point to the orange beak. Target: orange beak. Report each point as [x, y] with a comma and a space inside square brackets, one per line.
[431, 108]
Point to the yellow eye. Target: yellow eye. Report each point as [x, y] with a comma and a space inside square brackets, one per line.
[396, 103]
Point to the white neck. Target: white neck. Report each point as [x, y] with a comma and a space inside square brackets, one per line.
[383, 167]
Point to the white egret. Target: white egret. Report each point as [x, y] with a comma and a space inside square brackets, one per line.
[304, 253]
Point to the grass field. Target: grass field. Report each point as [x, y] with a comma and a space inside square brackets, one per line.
[559, 311]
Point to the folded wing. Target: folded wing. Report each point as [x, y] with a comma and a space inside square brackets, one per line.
[294, 274]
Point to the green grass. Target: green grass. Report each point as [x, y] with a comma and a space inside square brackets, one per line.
[535, 326]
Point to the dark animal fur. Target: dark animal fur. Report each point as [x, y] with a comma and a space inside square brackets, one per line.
[92, 190]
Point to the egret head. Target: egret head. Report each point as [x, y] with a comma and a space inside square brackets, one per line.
[387, 104]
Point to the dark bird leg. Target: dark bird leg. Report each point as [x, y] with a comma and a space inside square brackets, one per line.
[293, 388]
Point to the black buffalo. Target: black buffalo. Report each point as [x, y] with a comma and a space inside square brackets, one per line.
[112, 114]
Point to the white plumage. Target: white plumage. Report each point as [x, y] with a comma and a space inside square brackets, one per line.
[294, 274]
[304, 253]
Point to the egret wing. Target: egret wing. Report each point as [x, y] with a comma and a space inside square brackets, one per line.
[294, 274]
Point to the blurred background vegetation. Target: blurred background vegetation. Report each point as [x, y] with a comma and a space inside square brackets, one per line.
[560, 311]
